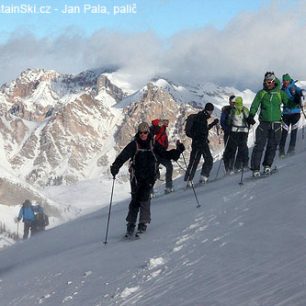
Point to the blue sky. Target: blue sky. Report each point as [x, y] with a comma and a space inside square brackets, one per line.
[164, 17]
[227, 42]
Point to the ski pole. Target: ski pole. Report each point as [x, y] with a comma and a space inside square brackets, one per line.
[109, 211]
[17, 230]
[222, 159]
[192, 186]
[242, 171]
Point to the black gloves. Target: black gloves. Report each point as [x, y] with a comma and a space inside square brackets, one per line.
[114, 170]
[216, 121]
[250, 120]
[180, 146]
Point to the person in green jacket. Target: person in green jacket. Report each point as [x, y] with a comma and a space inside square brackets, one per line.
[268, 133]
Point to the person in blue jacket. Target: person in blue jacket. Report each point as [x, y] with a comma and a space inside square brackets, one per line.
[291, 114]
[26, 213]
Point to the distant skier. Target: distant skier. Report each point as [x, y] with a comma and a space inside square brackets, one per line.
[200, 145]
[268, 133]
[26, 213]
[238, 138]
[41, 219]
[291, 114]
[143, 170]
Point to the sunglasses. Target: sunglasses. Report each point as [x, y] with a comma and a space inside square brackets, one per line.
[269, 82]
[144, 132]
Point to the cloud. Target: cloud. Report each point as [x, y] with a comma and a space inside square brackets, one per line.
[271, 38]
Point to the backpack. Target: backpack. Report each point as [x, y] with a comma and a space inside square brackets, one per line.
[189, 125]
[143, 165]
[41, 219]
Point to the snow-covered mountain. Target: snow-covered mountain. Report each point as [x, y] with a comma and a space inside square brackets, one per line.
[244, 246]
[61, 128]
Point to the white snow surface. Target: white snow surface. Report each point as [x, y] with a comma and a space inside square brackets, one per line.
[245, 245]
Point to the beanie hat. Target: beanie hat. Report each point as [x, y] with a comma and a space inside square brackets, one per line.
[209, 107]
[270, 76]
[231, 98]
[286, 77]
[27, 203]
[238, 103]
[143, 127]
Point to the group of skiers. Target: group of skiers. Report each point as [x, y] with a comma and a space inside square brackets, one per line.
[279, 108]
[34, 218]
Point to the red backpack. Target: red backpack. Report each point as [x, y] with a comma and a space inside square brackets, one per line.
[160, 134]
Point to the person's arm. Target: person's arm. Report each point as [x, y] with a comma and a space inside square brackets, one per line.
[127, 153]
[285, 99]
[255, 104]
[20, 214]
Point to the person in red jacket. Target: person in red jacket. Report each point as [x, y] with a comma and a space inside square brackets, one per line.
[159, 130]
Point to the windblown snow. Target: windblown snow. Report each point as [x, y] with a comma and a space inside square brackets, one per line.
[246, 245]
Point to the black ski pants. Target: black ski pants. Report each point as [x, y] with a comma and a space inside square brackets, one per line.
[268, 135]
[140, 202]
[26, 229]
[169, 170]
[289, 120]
[236, 141]
[195, 156]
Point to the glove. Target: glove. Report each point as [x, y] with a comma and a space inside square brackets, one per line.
[17, 220]
[250, 120]
[114, 170]
[216, 121]
[180, 146]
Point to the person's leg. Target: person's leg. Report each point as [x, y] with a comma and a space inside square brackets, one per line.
[169, 171]
[260, 142]
[274, 136]
[133, 206]
[145, 206]
[26, 229]
[193, 164]
[294, 120]
[229, 153]
[208, 161]
[243, 151]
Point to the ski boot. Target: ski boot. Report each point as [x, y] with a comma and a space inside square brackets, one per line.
[203, 179]
[267, 170]
[256, 173]
[130, 230]
[142, 227]
[169, 190]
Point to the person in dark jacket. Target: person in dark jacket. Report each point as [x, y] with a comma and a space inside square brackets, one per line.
[142, 155]
[226, 110]
[291, 114]
[200, 146]
[268, 133]
[26, 213]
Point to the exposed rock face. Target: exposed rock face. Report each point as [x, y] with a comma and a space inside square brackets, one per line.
[57, 129]
[56, 135]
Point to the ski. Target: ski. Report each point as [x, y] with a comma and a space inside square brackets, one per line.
[133, 236]
[263, 175]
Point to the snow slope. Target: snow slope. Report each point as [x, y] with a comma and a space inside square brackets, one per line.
[246, 245]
